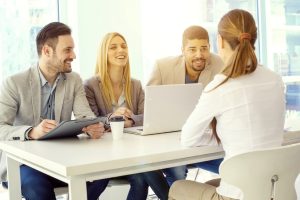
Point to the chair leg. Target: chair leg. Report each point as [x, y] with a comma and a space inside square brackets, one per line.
[196, 176]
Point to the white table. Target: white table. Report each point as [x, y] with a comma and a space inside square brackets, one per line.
[76, 161]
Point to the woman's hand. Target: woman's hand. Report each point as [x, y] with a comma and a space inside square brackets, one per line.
[126, 114]
[122, 111]
[128, 122]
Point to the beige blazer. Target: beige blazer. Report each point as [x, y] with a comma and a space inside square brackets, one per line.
[96, 99]
[20, 104]
[171, 70]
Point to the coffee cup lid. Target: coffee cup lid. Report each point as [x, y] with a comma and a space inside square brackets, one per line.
[117, 119]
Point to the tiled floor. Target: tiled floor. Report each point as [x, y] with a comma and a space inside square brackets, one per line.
[202, 177]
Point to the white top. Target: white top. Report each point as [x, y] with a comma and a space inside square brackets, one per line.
[250, 113]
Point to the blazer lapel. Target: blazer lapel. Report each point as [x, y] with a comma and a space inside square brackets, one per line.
[107, 109]
[59, 96]
[179, 72]
[205, 77]
[35, 90]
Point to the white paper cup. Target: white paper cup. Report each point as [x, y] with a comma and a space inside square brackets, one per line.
[117, 128]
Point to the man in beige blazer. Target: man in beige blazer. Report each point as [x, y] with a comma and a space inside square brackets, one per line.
[34, 101]
[196, 65]
[173, 70]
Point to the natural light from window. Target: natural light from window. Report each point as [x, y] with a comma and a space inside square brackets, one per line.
[20, 21]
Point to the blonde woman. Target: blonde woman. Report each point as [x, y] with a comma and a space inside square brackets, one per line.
[111, 92]
[245, 102]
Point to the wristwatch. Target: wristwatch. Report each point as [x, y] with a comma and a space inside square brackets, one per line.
[26, 135]
[106, 123]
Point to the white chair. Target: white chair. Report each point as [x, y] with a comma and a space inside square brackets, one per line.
[297, 185]
[264, 174]
[61, 192]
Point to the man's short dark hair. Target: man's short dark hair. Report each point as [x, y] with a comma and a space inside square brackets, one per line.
[194, 32]
[49, 35]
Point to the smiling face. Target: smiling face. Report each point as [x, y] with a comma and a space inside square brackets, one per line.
[60, 58]
[196, 53]
[117, 53]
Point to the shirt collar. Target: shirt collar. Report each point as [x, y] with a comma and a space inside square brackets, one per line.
[44, 80]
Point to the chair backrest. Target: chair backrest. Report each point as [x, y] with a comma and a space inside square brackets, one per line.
[254, 172]
[62, 193]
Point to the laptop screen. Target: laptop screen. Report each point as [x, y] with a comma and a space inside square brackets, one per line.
[168, 106]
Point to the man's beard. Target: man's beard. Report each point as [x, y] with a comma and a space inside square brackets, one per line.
[60, 67]
[199, 68]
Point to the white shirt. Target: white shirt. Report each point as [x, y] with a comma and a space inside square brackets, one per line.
[250, 113]
[121, 102]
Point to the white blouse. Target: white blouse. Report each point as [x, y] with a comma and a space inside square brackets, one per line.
[250, 112]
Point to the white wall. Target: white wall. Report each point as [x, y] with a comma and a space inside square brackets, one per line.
[153, 29]
[163, 24]
[90, 20]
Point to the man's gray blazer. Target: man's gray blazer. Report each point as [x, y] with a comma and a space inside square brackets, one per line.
[20, 105]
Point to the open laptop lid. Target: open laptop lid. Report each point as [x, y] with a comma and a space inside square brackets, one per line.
[168, 106]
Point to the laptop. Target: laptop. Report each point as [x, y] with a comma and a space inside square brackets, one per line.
[167, 107]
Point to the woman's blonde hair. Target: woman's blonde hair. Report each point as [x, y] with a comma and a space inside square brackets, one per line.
[238, 28]
[102, 72]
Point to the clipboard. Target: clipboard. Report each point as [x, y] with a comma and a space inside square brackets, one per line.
[69, 128]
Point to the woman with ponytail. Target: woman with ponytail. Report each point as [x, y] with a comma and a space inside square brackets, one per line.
[244, 104]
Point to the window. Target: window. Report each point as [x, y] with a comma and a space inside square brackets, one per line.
[282, 52]
[163, 23]
[22, 19]
[277, 47]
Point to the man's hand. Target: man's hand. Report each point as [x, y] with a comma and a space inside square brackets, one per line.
[95, 131]
[42, 129]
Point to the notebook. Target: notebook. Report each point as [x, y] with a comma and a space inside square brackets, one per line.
[167, 107]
